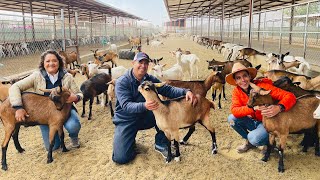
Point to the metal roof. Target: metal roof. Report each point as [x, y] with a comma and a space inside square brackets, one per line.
[85, 8]
[195, 8]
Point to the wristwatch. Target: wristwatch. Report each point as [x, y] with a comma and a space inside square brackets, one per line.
[282, 108]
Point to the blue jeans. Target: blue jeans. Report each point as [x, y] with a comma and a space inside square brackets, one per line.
[125, 135]
[250, 129]
[72, 125]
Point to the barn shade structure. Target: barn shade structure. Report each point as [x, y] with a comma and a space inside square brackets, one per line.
[85, 8]
[220, 9]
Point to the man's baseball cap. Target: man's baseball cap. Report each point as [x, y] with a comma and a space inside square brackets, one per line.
[140, 56]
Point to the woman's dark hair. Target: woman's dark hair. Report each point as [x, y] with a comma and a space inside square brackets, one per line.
[50, 51]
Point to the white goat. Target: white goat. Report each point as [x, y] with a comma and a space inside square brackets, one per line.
[156, 43]
[112, 47]
[174, 73]
[188, 62]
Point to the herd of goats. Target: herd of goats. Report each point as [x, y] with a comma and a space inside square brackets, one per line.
[287, 72]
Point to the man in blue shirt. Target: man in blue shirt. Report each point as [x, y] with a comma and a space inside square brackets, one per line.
[133, 113]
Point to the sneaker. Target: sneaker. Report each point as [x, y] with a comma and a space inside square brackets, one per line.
[75, 143]
[162, 150]
[245, 147]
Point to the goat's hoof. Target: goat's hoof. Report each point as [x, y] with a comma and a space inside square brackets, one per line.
[21, 150]
[182, 142]
[65, 150]
[49, 161]
[4, 167]
[214, 151]
[219, 108]
[82, 115]
[177, 159]
[265, 159]
[89, 118]
[281, 169]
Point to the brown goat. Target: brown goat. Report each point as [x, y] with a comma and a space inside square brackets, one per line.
[52, 111]
[69, 58]
[73, 72]
[297, 119]
[179, 113]
[249, 52]
[106, 57]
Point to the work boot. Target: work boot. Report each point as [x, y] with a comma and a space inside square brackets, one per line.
[245, 147]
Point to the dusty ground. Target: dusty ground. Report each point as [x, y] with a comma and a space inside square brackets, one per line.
[93, 159]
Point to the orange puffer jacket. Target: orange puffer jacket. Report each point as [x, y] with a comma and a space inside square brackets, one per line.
[239, 106]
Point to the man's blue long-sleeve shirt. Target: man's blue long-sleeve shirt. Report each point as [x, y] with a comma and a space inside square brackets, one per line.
[130, 102]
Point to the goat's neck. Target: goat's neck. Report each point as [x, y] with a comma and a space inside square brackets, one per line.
[209, 81]
[314, 81]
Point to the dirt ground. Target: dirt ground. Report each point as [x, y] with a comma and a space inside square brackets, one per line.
[93, 159]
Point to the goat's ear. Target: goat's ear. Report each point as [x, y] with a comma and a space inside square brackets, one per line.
[160, 59]
[286, 54]
[159, 84]
[264, 92]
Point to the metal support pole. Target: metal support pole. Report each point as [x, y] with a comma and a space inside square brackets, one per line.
[69, 20]
[24, 25]
[201, 26]
[54, 26]
[305, 32]
[209, 23]
[197, 26]
[240, 28]
[32, 23]
[63, 31]
[222, 22]
[264, 29]
[259, 21]
[232, 30]
[280, 38]
[77, 42]
[90, 26]
[250, 23]
[291, 22]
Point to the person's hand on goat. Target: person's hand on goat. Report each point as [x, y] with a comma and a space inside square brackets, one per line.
[190, 96]
[151, 105]
[21, 115]
[268, 111]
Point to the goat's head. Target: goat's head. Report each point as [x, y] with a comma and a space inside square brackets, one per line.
[259, 97]
[59, 96]
[148, 89]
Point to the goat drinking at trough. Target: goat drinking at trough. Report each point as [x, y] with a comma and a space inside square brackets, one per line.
[297, 119]
[52, 111]
[51, 74]
[178, 113]
[133, 113]
[244, 120]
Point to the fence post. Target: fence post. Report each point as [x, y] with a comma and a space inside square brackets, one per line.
[280, 38]
[63, 31]
[264, 29]
[305, 32]
[77, 41]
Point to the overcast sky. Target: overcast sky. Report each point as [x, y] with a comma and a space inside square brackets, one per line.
[151, 10]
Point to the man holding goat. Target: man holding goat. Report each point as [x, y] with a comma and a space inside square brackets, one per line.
[133, 113]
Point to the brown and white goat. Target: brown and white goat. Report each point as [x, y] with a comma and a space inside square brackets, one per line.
[179, 113]
[4, 91]
[298, 118]
[52, 111]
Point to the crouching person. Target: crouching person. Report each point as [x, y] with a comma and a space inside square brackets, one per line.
[133, 113]
[247, 122]
[51, 74]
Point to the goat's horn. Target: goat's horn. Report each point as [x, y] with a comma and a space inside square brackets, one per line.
[255, 87]
[46, 90]
[159, 84]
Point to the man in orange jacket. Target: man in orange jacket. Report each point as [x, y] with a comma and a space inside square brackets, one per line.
[248, 121]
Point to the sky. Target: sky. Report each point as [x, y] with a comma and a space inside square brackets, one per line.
[151, 10]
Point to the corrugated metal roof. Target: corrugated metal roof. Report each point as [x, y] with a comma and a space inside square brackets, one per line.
[85, 8]
[195, 8]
